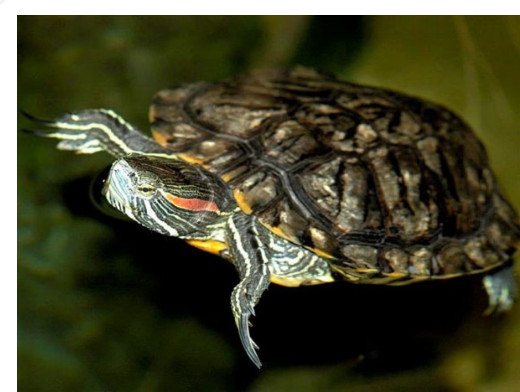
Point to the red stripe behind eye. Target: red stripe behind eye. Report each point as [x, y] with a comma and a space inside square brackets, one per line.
[192, 204]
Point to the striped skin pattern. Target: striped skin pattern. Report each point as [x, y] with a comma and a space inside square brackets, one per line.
[155, 188]
[387, 187]
[170, 197]
[299, 179]
[182, 200]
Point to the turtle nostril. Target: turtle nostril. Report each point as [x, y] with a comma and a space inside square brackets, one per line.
[105, 190]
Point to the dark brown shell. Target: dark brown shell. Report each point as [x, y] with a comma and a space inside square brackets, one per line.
[379, 182]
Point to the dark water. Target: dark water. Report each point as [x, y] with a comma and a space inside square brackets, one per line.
[105, 305]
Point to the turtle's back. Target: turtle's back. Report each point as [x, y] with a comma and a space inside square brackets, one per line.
[380, 183]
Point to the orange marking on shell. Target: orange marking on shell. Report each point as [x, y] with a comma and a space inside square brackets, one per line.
[192, 204]
[366, 270]
[191, 159]
[211, 246]
[160, 138]
[277, 230]
[395, 274]
[152, 115]
[283, 234]
[241, 201]
[321, 253]
[226, 177]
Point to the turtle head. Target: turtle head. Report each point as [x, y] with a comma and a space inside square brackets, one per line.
[168, 196]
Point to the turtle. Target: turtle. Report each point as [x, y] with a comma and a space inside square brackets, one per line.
[299, 178]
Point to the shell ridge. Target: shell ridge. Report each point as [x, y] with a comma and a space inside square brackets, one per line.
[422, 170]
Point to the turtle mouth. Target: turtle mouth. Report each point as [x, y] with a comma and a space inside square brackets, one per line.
[116, 189]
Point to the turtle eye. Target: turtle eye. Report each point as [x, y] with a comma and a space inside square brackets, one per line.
[146, 189]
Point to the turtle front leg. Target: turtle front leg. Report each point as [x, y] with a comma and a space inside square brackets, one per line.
[93, 130]
[501, 289]
[251, 260]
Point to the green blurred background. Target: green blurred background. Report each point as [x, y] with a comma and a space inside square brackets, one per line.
[104, 305]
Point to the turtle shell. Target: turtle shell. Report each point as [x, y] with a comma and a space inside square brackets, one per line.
[378, 182]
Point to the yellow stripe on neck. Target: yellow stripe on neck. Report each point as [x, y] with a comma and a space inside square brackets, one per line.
[211, 246]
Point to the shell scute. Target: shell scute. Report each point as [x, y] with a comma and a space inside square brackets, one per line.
[259, 189]
[368, 178]
[287, 142]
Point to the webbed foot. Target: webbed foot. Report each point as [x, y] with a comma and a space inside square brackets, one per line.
[501, 289]
[93, 130]
[243, 299]
[77, 132]
[251, 260]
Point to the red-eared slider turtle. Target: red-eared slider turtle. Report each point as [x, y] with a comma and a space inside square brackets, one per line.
[298, 178]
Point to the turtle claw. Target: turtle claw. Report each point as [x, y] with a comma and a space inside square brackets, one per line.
[254, 274]
[81, 132]
[249, 345]
[62, 128]
[92, 130]
[35, 119]
[37, 132]
[242, 305]
[251, 310]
